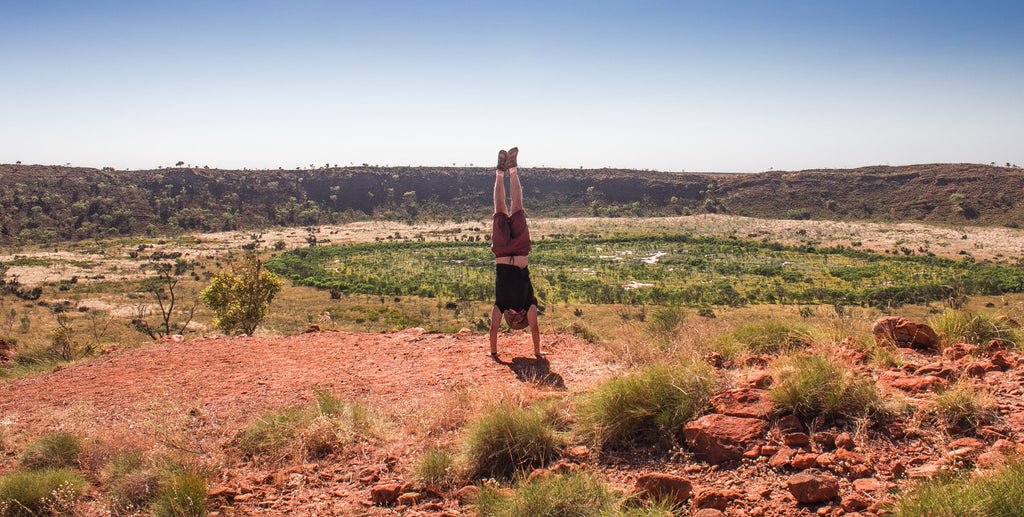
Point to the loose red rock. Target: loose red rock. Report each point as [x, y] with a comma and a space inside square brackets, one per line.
[720, 438]
[660, 486]
[811, 486]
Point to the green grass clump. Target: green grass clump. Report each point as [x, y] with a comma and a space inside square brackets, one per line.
[768, 337]
[572, 494]
[182, 493]
[54, 451]
[647, 406]
[40, 492]
[436, 467]
[132, 482]
[328, 425]
[999, 494]
[666, 320]
[272, 432]
[967, 327]
[963, 404]
[506, 440]
[811, 386]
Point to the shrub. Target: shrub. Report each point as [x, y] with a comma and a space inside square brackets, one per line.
[435, 468]
[240, 298]
[572, 494]
[963, 404]
[768, 337]
[646, 406]
[815, 385]
[582, 331]
[506, 439]
[182, 493]
[36, 492]
[886, 358]
[273, 431]
[967, 327]
[52, 451]
[666, 320]
[999, 494]
[327, 426]
[131, 479]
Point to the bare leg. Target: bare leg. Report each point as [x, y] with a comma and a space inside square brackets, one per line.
[531, 317]
[516, 190]
[495, 325]
[499, 193]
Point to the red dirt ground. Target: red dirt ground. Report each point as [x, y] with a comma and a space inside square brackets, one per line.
[197, 396]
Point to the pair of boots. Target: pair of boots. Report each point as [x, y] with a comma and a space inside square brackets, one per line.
[507, 160]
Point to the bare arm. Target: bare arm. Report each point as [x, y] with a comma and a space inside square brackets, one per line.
[531, 318]
[495, 325]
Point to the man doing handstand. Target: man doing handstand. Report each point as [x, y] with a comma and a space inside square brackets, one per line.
[510, 242]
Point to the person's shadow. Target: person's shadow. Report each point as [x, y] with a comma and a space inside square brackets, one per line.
[535, 371]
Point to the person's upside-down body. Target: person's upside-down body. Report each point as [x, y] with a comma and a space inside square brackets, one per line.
[510, 242]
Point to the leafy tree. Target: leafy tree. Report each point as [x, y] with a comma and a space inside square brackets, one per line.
[240, 298]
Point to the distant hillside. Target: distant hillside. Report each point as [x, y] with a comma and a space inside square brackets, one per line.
[48, 203]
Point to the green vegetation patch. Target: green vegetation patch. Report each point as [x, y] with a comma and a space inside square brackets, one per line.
[506, 440]
[658, 269]
[40, 492]
[56, 450]
[647, 406]
[327, 426]
[999, 494]
[815, 385]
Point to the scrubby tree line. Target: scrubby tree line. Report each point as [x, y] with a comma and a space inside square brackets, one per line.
[51, 203]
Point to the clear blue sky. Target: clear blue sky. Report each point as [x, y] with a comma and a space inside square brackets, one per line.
[671, 85]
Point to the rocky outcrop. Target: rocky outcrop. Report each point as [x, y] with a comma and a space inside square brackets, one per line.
[904, 333]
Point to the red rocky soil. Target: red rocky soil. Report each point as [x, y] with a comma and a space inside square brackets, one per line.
[742, 459]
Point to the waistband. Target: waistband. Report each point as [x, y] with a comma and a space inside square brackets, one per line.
[516, 260]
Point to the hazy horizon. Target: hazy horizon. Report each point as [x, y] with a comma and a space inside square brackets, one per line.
[735, 86]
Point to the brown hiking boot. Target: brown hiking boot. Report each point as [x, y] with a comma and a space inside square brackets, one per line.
[510, 160]
[502, 158]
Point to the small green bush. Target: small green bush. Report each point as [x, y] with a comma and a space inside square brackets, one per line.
[809, 386]
[999, 494]
[666, 320]
[132, 482]
[579, 493]
[272, 432]
[435, 468]
[582, 331]
[328, 425]
[573, 494]
[646, 406]
[967, 327]
[963, 404]
[38, 492]
[506, 440]
[54, 451]
[182, 493]
[240, 298]
[769, 337]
